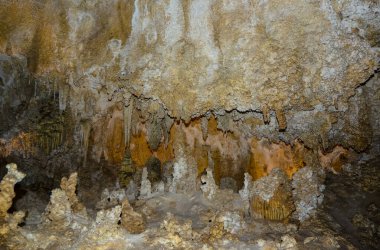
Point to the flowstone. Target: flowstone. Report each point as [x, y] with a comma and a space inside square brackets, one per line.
[272, 197]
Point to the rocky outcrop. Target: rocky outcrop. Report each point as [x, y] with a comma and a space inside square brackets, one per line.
[9, 222]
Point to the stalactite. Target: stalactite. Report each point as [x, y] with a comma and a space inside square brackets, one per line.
[154, 132]
[85, 136]
[204, 127]
[63, 93]
[128, 110]
[166, 126]
[266, 114]
[35, 87]
[281, 119]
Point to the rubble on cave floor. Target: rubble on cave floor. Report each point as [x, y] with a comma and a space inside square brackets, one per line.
[210, 218]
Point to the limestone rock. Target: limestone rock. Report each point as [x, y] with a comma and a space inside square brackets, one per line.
[179, 234]
[131, 220]
[233, 221]
[111, 198]
[288, 243]
[110, 216]
[307, 192]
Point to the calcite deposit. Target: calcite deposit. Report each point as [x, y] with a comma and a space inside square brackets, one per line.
[193, 124]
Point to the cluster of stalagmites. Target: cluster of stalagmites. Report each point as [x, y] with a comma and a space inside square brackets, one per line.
[274, 197]
[65, 209]
[64, 212]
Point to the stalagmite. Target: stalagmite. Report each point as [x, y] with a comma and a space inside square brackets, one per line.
[63, 94]
[69, 186]
[208, 185]
[7, 188]
[64, 208]
[146, 186]
[131, 220]
[245, 192]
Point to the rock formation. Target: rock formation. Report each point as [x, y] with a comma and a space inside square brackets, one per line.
[230, 110]
[64, 207]
[9, 222]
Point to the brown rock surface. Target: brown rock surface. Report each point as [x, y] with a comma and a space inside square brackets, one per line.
[131, 220]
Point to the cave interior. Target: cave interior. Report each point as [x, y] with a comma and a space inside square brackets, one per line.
[194, 124]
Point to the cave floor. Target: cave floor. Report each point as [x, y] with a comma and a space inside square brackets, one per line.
[348, 219]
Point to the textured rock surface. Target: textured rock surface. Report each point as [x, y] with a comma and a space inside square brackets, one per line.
[307, 192]
[131, 220]
[242, 87]
[199, 56]
[7, 184]
[64, 208]
[193, 222]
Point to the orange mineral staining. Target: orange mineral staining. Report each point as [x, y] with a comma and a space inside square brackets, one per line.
[335, 159]
[266, 156]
